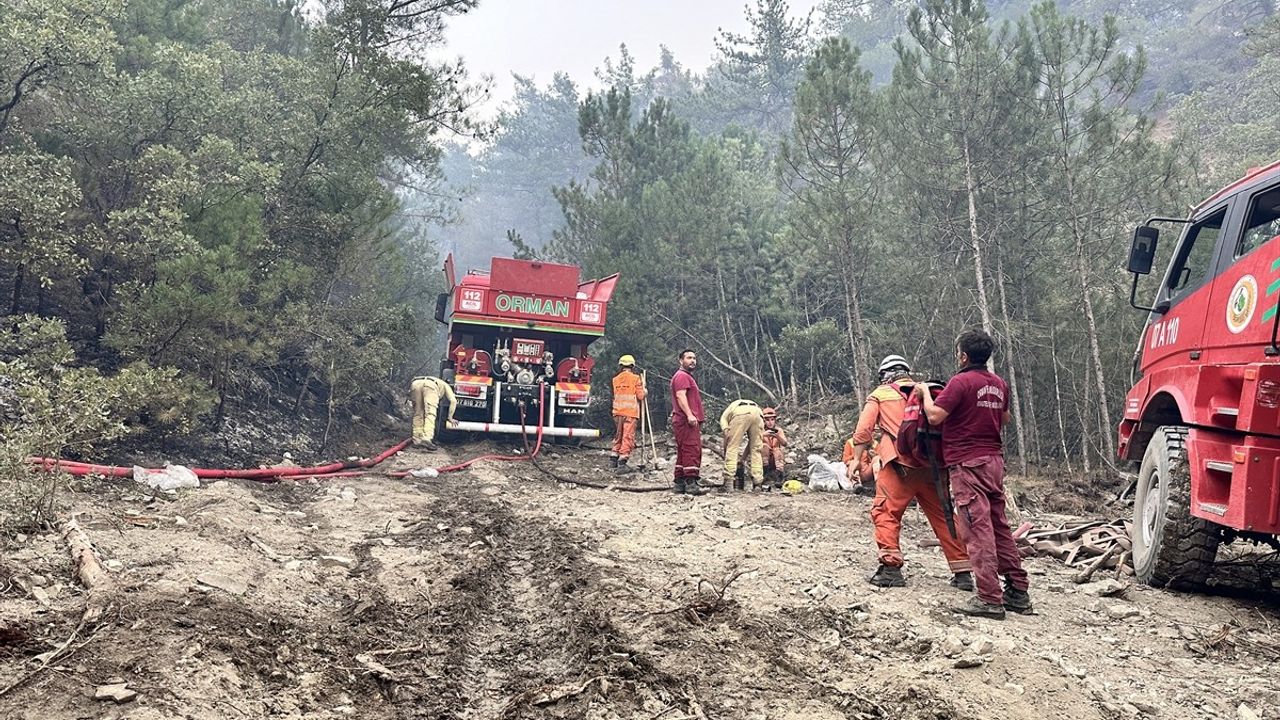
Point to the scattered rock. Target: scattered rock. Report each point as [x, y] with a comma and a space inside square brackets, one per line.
[969, 661]
[818, 592]
[347, 493]
[266, 509]
[118, 693]
[337, 561]
[1121, 612]
[179, 520]
[1244, 712]
[982, 645]
[1105, 588]
[222, 582]
[1015, 688]
[284, 654]
[952, 646]
[722, 522]
[736, 524]
[490, 490]
[114, 565]
[1145, 708]
[20, 537]
[293, 565]
[39, 581]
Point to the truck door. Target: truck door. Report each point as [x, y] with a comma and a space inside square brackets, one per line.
[1241, 310]
[1174, 337]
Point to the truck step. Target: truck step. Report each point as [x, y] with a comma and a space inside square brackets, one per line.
[1227, 411]
[1220, 466]
[1214, 508]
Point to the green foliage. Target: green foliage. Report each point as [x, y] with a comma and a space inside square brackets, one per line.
[179, 181]
[50, 406]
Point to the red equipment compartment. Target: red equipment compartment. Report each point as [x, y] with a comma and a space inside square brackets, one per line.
[533, 277]
[1239, 483]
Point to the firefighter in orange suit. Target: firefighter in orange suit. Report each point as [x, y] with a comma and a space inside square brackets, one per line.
[861, 469]
[771, 451]
[897, 484]
[628, 393]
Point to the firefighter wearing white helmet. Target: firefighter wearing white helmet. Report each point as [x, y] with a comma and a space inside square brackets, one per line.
[628, 393]
[898, 483]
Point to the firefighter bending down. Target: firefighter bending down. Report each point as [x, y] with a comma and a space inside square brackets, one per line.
[897, 484]
[771, 451]
[628, 393]
[742, 419]
[427, 393]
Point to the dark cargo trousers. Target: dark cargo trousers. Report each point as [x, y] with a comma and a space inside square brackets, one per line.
[978, 489]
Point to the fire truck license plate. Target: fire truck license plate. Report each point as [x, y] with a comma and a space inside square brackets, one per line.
[527, 351]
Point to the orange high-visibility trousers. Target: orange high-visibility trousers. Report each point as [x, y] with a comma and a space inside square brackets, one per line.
[894, 492]
[624, 436]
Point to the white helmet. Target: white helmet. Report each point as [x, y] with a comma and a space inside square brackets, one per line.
[892, 362]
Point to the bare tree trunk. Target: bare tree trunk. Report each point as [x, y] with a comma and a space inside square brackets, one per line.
[1083, 418]
[854, 330]
[18, 280]
[1095, 348]
[1015, 402]
[975, 241]
[1057, 394]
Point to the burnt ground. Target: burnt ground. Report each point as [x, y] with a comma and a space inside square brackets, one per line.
[500, 593]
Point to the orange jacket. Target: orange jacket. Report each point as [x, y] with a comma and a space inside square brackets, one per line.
[628, 391]
[884, 409]
[772, 448]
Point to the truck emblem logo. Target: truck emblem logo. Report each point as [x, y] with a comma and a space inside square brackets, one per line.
[1241, 303]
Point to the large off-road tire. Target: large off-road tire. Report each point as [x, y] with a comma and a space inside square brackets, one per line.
[1170, 547]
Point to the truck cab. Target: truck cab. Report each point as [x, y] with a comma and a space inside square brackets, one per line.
[518, 340]
[1203, 417]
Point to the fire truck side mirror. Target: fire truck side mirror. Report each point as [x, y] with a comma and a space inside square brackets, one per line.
[1143, 252]
[442, 304]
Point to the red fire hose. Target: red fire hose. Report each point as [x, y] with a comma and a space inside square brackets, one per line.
[275, 474]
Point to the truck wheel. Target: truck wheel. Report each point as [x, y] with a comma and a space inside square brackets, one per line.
[1170, 547]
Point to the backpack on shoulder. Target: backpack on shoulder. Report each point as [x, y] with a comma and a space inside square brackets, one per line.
[917, 442]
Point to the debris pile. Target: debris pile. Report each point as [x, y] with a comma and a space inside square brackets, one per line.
[1089, 545]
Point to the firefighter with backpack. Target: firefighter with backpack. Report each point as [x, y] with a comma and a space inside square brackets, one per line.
[900, 479]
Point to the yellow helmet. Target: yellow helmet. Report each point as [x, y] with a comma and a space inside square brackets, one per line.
[792, 487]
[627, 361]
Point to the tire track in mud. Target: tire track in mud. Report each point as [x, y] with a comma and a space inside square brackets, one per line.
[523, 619]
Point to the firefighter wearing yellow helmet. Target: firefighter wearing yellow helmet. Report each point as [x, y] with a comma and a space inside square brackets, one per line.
[628, 393]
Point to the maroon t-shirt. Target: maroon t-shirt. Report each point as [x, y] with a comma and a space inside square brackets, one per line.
[975, 400]
[682, 380]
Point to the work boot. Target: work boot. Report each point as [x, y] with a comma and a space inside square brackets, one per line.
[613, 462]
[693, 486]
[428, 445]
[678, 487]
[977, 607]
[962, 581]
[622, 468]
[1016, 600]
[887, 576]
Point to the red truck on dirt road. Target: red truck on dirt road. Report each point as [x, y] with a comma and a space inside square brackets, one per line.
[517, 348]
[1204, 418]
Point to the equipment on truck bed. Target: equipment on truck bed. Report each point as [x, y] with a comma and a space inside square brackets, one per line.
[521, 328]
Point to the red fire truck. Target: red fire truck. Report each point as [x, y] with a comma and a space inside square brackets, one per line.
[1204, 419]
[517, 348]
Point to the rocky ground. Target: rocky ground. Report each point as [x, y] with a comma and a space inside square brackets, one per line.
[498, 592]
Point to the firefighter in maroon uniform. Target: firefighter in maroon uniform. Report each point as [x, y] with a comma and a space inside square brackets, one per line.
[686, 425]
[972, 411]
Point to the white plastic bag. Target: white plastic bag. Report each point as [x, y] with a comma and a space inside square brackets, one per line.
[827, 476]
[168, 479]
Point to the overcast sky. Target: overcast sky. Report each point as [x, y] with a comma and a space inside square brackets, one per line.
[539, 37]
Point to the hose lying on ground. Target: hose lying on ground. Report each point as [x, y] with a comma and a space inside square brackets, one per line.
[342, 469]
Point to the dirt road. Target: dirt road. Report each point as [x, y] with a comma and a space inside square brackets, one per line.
[497, 593]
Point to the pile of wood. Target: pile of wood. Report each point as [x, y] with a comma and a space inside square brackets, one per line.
[1090, 545]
